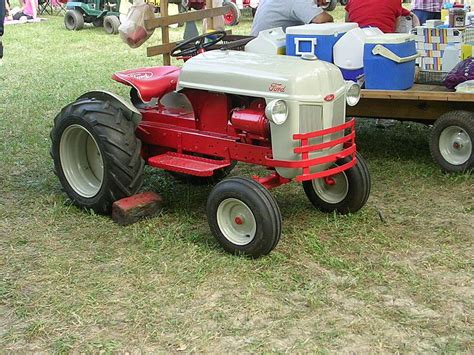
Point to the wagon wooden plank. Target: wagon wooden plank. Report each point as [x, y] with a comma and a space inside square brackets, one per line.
[407, 108]
[417, 93]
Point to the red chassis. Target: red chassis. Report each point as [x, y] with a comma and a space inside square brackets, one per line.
[173, 137]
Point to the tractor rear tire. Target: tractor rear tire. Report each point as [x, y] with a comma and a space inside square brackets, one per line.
[451, 142]
[96, 155]
[347, 194]
[74, 20]
[244, 217]
[111, 24]
[232, 17]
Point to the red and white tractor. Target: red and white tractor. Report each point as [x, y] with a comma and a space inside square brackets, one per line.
[287, 114]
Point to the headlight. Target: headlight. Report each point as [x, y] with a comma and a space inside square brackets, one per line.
[277, 111]
[352, 93]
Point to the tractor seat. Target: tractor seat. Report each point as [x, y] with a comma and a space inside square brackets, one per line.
[152, 82]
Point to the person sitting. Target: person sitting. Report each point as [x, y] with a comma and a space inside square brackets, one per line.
[28, 10]
[382, 14]
[427, 9]
[286, 13]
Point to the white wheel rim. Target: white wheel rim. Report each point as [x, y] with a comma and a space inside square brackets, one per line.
[236, 221]
[333, 189]
[81, 161]
[455, 145]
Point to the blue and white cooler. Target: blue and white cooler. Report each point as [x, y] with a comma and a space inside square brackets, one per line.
[349, 52]
[389, 61]
[318, 39]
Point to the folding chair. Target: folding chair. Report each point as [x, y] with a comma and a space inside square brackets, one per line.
[60, 6]
[44, 6]
[52, 7]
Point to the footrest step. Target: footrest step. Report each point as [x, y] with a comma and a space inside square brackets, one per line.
[187, 164]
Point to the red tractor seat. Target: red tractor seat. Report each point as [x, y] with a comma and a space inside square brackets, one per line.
[151, 82]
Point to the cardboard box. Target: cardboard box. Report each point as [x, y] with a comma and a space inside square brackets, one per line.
[432, 42]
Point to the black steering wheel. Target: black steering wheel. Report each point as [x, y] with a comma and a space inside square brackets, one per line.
[191, 46]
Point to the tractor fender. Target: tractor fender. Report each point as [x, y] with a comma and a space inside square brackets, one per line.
[124, 104]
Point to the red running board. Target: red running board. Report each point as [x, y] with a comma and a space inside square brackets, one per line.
[187, 164]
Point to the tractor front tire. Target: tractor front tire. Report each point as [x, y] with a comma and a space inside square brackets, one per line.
[111, 24]
[244, 217]
[96, 155]
[451, 142]
[346, 192]
[74, 20]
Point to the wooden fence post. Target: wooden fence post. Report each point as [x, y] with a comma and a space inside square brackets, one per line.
[164, 21]
[165, 31]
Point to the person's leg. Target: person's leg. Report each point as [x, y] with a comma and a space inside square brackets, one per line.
[422, 15]
[18, 15]
[436, 15]
[2, 15]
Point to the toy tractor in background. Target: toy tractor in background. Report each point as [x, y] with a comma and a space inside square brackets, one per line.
[286, 114]
[98, 12]
[232, 17]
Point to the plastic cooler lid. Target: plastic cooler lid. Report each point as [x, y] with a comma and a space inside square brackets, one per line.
[390, 38]
[321, 28]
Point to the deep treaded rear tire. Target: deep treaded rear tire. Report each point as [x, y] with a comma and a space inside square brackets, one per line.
[257, 208]
[113, 133]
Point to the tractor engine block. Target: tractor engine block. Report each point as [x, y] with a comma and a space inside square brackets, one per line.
[252, 122]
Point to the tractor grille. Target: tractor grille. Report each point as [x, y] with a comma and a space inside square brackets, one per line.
[339, 110]
[311, 118]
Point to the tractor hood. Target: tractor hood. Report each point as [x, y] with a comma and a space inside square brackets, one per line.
[261, 75]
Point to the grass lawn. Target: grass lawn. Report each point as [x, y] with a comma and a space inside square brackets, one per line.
[74, 281]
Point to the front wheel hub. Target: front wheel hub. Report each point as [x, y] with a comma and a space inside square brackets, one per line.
[332, 189]
[236, 221]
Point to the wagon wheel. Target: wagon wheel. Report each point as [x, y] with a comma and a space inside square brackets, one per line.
[244, 217]
[345, 192]
[451, 141]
